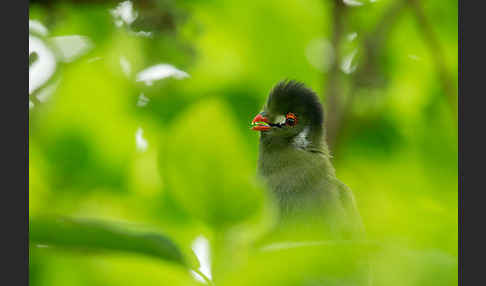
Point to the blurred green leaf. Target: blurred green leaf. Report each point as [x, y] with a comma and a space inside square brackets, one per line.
[207, 167]
[100, 236]
[306, 263]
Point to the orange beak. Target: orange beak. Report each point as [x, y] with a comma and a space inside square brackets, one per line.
[260, 123]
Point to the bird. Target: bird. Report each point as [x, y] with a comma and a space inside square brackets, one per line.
[295, 165]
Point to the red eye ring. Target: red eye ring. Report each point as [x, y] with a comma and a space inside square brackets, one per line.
[290, 119]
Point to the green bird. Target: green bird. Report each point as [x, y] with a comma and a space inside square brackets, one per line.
[295, 163]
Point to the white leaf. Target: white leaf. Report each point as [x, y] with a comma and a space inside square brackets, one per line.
[37, 27]
[71, 47]
[160, 71]
[352, 3]
[43, 68]
[200, 246]
[141, 142]
[124, 13]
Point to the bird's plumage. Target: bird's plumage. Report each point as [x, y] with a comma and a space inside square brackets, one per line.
[294, 161]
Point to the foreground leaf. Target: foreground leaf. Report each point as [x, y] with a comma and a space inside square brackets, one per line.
[96, 235]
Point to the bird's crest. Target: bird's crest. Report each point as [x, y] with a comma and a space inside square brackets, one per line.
[291, 95]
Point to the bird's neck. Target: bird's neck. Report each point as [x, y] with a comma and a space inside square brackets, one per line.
[288, 168]
[295, 178]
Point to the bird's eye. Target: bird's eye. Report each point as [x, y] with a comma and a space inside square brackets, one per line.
[291, 119]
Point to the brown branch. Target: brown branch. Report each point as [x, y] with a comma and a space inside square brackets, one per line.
[373, 46]
[366, 75]
[374, 42]
[437, 52]
[333, 91]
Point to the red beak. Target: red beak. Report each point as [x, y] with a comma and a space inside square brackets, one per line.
[260, 123]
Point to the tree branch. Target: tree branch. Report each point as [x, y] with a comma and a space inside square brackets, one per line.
[364, 76]
[437, 52]
[333, 92]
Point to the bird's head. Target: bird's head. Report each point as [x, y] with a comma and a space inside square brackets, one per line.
[292, 114]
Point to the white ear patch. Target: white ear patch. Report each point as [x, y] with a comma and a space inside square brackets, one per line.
[301, 140]
[280, 119]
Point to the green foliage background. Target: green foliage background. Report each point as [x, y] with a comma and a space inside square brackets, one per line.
[397, 150]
